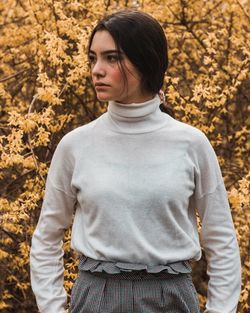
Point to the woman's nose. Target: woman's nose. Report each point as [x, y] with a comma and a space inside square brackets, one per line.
[98, 69]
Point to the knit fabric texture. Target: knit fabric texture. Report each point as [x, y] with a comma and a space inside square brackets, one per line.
[134, 179]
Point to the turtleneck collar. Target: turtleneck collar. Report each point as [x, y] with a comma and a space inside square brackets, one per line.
[136, 117]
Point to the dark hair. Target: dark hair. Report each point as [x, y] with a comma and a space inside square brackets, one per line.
[143, 41]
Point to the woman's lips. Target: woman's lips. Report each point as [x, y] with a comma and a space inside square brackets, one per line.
[101, 86]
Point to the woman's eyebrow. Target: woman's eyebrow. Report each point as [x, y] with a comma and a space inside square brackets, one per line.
[106, 52]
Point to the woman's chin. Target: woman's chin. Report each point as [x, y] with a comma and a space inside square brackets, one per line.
[103, 97]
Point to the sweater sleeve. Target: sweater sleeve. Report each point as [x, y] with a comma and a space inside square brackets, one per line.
[218, 237]
[46, 255]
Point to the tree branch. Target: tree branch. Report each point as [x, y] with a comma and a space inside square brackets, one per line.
[13, 75]
[29, 139]
[243, 9]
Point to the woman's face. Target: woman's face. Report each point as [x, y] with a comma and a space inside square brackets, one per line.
[107, 75]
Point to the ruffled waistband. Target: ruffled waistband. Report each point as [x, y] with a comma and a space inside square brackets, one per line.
[110, 267]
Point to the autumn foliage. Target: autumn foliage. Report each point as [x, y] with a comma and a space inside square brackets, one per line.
[45, 91]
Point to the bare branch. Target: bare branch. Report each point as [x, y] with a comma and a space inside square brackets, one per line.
[9, 234]
[227, 52]
[13, 75]
[243, 9]
[14, 21]
[64, 87]
[29, 139]
[212, 9]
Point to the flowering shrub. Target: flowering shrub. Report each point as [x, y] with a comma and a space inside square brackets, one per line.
[45, 91]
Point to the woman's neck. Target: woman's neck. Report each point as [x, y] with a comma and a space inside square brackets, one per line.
[141, 98]
[136, 117]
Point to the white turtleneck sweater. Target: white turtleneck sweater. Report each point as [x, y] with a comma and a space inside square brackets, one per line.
[134, 178]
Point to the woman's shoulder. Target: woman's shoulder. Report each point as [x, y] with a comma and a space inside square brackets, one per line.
[77, 138]
[78, 133]
[189, 132]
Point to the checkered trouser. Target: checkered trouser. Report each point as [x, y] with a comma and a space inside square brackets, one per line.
[133, 292]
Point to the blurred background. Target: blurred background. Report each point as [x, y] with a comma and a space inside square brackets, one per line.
[46, 91]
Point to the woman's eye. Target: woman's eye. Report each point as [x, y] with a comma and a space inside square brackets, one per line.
[92, 59]
[113, 58]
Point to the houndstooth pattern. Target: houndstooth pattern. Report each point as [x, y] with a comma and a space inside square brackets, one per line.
[133, 292]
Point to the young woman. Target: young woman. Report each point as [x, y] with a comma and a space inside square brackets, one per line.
[134, 178]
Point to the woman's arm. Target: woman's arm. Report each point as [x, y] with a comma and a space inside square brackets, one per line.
[218, 236]
[46, 255]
